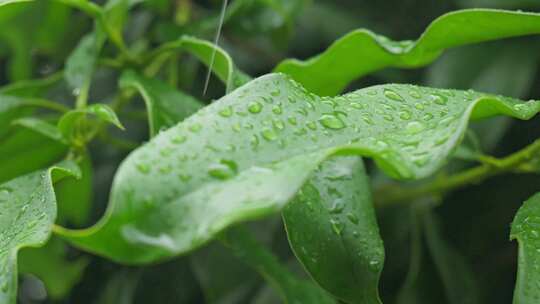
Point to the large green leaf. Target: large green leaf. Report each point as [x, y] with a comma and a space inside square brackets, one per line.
[362, 52]
[247, 155]
[292, 289]
[28, 214]
[333, 231]
[526, 229]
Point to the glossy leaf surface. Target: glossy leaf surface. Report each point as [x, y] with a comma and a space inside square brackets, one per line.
[28, 213]
[247, 155]
[333, 231]
[525, 229]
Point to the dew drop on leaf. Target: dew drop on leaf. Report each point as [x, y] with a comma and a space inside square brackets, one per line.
[269, 134]
[414, 127]
[393, 95]
[331, 121]
[226, 112]
[255, 107]
[225, 169]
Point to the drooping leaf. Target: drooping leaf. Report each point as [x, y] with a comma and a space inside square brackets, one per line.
[165, 105]
[291, 288]
[526, 230]
[28, 213]
[333, 231]
[456, 276]
[223, 65]
[246, 155]
[361, 52]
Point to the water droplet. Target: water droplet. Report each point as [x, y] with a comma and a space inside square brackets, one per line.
[195, 128]
[184, 177]
[415, 94]
[388, 117]
[269, 134]
[405, 115]
[292, 121]
[439, 99]
[311, 125]
[419, 106]
[143, 168]
[390, 94]
[353, 218]
[357, 105]
[337, 207]
[226, 112]
[255, 107]
[278, 124]
[427, 117]
[178, 139]
[331, 121]
[337, 226]
[225, 169]
[277, 110]
[254, 141]
[414, 127]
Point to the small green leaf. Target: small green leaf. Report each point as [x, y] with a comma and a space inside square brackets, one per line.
[81, 63]
[333, 231]
[362, 52]
[223, 65]
[246, 155]
[42, 127]
[166, 106]
[292, 289]
[28, 212]
[526, 230]
[73, 124]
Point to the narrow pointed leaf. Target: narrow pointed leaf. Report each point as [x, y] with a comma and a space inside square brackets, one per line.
[362, 52]
[223, 65]
[333, 231]
[165, 105]
[526, 230]
[292, 289]
[28, 214]
[246, 155]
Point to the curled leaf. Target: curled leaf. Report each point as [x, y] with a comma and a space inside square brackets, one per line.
[247, 155]
[362, 52]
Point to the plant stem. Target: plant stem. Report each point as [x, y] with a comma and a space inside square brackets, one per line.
[516, 162]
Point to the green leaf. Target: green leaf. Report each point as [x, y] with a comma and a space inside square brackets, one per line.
[31, 88]
[525, 229]
[362, 52]
[457, 278]
[6, 2]
[28, 213]
[51, 265]
[81, 63]
[246, 155]
[25, 150]
[291, 288]
[166, 106]
[333, 231]
[223, 65]
[73, 124]
[42, 127]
